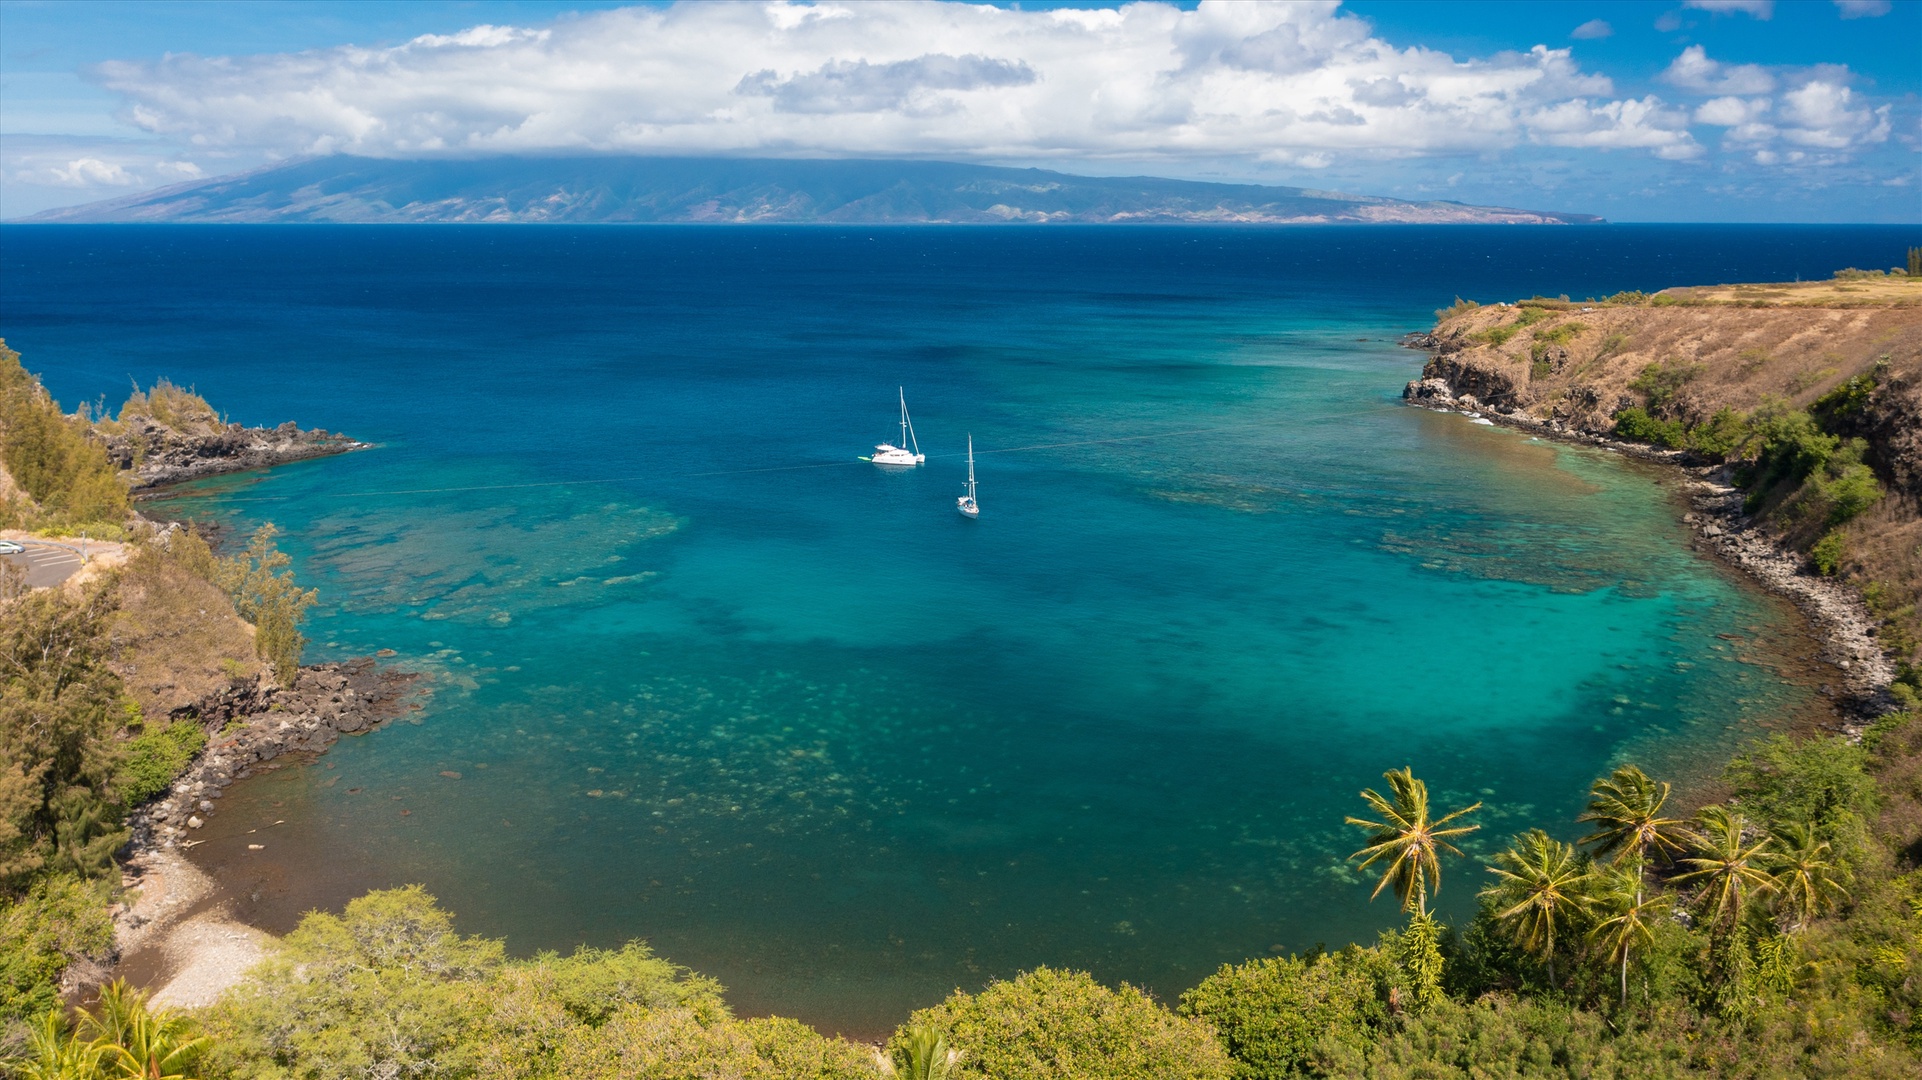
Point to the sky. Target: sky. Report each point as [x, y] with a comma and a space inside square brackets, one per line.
[1685, 110]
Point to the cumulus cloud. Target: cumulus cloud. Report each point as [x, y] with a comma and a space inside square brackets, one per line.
[1759, 9]
[1592, 30]
[1693, 70]
[1863, 9]
[1646, 124]
[91, 164]
[1826, 115]
[1299, 83]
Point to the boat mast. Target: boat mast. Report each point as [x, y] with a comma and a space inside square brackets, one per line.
[907, 425]
[971, 466]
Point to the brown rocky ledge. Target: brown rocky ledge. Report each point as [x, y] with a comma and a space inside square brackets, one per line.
[250, 726]
[158, 454]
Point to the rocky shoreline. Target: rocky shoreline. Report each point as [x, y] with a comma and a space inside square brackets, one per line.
[158, 455]
[251, 727]
[1842, 621]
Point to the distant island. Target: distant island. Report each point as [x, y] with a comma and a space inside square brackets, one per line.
[660, 190]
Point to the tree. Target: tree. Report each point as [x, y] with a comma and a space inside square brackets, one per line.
[1805, 878]
[1626, 810]
[1729, 867]
[1407, 840]
[264, 593]
[141, 1043]
[1542, 888]
[1049, 1024]
[921, 1053]
[1627, 921]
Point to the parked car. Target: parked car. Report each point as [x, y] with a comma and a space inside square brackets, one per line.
[8, 547]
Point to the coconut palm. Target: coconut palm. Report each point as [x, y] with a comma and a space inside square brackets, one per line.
[924, 1055]
[52, 1053]
[1626, 810]
[1730, 868]
[1807, 880]
[1407, 841]
[1627, 920]
[135, 1041]
[1543, 887]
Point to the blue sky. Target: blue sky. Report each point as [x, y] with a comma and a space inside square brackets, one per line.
[1705, 110]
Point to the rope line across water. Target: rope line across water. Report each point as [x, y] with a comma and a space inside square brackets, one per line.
[721, 472]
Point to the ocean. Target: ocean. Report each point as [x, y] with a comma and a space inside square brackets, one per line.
[709, 680]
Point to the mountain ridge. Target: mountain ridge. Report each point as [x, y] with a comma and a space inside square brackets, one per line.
[660, 190]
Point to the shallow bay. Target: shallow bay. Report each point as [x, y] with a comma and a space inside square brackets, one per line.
[706, 679]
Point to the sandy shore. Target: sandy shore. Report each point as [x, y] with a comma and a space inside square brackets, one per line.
[175, 939]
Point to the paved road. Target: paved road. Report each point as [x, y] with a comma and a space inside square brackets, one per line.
[45, 564]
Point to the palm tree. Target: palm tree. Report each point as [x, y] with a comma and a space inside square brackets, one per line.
[52, 1052]
[1729, 866]
[1411, 844]
[924, 1054]
[140, 1043]
[1543, 885]
[1807, 881]
[1626, 809]
[1628, 921]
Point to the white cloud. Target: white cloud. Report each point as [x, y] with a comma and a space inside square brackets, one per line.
[1646, 124]
[1742, 117]
[91, 163]
[1863, 9]
[1302, 84]
[1759, 9]
[1825, 114]
[1693, 70]
[1592, 30]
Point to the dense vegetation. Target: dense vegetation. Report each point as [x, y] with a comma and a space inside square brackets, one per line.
[66, 484]
[1778, 932]
[79, 746]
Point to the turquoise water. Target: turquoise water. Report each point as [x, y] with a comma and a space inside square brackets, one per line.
[707, 680]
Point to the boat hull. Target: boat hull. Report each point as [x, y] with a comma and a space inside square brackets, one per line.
[967, 507]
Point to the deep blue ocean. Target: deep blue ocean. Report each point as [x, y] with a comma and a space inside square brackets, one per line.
[709, 680]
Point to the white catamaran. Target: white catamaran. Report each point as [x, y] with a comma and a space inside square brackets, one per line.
[966, 503]
[909, 452]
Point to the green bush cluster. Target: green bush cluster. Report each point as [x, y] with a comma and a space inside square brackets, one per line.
[156, 755]
[1661, 381]
[60, 917]
[51, 456]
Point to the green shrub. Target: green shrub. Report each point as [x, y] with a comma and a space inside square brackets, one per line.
[1823, 781]
[1272, 1014]
[1063, 1025]
[155, 757]
[1721, 436]
[1828, 553]
[60, 919]
[1560, 334]
[1459, 307]
[1846, 403]
[1849, 492]
[1792, 446]
[1494, 335]
[1662, 380]
[1635, 423]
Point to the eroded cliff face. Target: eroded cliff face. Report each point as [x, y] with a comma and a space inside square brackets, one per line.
[1573, 364]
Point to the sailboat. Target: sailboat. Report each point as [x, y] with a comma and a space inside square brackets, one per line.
[966, 503]
[890, 454]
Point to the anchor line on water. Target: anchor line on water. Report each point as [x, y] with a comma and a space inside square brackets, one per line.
[723, 472]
